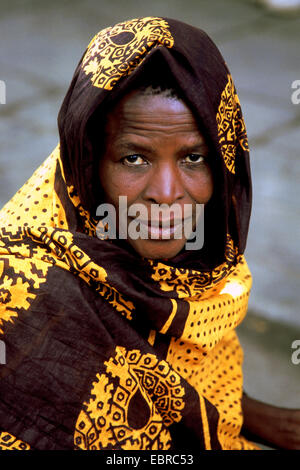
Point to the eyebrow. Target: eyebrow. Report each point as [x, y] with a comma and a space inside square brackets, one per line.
[199, 147]
[135, 147]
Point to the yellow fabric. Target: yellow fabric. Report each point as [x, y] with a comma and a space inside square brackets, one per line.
[178, 372]
[146, 33]
[208, 354]
[9, 442]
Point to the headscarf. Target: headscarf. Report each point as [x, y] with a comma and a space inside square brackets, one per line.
[105, 349]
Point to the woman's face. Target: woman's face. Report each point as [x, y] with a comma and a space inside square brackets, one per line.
[155, 154]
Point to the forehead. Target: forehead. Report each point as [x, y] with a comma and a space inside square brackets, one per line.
[137, 112]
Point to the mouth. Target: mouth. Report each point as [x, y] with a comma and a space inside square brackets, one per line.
[160, 223]
[167, 229]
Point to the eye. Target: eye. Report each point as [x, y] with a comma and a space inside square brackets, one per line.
[194, 158]
[134, 160]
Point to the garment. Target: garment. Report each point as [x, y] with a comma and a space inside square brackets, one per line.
[105, 349]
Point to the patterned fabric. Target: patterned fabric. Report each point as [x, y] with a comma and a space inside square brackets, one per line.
[117, 51]
[231, 125]
[105, 349]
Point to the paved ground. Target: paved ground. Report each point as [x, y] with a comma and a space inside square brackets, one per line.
[41, 43]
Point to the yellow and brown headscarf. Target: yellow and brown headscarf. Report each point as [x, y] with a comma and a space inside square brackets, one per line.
[104, 349]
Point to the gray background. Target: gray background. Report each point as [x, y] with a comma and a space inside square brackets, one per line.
[41, 44]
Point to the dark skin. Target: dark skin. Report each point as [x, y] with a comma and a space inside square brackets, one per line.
[275, 427]
[155, 153]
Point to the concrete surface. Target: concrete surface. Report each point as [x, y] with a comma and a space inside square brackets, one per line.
[41, 43]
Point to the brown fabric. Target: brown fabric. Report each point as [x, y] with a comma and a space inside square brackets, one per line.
[104, 349]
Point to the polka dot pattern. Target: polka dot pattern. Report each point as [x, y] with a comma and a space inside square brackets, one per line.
[208, 354]
[36, 204]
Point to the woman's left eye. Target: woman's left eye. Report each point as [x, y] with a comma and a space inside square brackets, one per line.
[194, 158]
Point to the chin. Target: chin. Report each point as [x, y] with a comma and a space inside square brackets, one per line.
[157, 249]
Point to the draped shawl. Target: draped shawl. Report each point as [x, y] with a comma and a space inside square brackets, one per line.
[101, 348]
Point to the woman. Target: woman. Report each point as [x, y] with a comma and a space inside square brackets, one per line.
[129, 343]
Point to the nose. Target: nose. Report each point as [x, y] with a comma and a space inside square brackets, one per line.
[164, 185]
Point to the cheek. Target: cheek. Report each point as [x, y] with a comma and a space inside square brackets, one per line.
[108, 181]
[115, 181]
[201, 187]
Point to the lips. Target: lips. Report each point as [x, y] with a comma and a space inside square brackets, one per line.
[161, 223]
[161, 232]
[161, 229]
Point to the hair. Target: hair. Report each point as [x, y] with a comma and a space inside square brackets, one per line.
[153, 90]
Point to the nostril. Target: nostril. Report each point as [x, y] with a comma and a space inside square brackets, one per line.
[164, 188]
